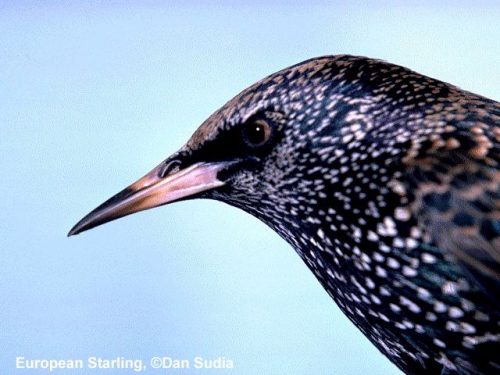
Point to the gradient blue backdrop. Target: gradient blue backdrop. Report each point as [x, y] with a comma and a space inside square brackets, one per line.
[93, 95]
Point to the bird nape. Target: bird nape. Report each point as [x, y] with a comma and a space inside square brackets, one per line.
[385, 182]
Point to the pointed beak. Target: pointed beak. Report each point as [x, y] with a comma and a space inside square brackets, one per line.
[153, 190]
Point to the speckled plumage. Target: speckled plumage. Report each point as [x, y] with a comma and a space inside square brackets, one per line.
[389, 191]
[387, 184]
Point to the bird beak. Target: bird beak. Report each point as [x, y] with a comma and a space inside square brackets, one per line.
[152, 190]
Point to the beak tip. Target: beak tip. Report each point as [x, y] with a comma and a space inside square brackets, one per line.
[80, 227]
[73, 231]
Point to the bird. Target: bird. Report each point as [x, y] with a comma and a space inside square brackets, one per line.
[386, 183]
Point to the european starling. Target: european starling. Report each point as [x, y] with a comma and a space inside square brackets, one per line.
[385, 182]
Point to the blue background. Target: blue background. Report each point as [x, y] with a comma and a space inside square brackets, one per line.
[93, 95]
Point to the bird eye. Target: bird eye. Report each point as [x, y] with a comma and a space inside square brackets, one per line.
[257, 133]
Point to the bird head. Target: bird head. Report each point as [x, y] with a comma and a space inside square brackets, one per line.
[272, 150]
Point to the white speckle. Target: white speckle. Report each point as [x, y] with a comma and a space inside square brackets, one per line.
[439, 307]
[408, 324]
[330, 273]
[415, 232]
[365, 258]
[355, 298]
[411, 243]
[402, 214]
[452, 326]
[380, 272]
[400, 326]
[347, 138]
[431, 317]
[398, 188]
[347, 182]
[321, 234]
[449, 287]
[383, 317]
[398, 242]
[470, 341]
[358, 311]
[419, 328]
[423, 293]
[409, 272]
[375, 299]
[455, 312]
[439, 343]
[378, 257]
[392, 263]
[372, 236]
[412, 306]
[369, 283]
[384, 291]
[387, 228]
[428, 258]
[389, 223]
[394, 307]
[467, 328]
[383, 247]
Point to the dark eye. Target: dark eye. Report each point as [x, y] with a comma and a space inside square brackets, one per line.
[256, 133]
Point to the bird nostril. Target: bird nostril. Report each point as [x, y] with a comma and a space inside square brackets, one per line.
[170, 167]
